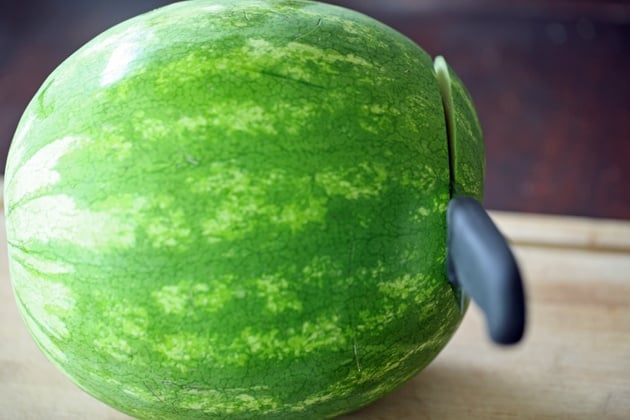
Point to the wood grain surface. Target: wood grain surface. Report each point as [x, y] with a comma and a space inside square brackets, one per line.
[574, 362]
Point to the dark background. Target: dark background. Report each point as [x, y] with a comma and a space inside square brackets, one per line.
[550, 80]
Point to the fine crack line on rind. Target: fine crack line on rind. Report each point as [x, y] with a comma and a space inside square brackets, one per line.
[292, 79]
[191, 299]
[317, 26]
[355, 347]
[152, 391]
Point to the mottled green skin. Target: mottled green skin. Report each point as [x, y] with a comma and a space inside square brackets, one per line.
[235, 209]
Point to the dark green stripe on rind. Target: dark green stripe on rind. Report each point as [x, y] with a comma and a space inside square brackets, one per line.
[241, 216]
[466, 145]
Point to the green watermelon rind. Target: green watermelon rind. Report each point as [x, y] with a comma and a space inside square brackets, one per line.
[235, 209]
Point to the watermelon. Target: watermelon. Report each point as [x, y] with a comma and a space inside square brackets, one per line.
[236, 209]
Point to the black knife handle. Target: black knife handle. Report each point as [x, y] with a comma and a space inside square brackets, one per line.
[480, 261]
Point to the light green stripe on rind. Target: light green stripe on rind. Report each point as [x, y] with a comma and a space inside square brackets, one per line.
[245, 239]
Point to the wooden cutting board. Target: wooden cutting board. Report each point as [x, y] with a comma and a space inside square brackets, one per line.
[574, 362]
